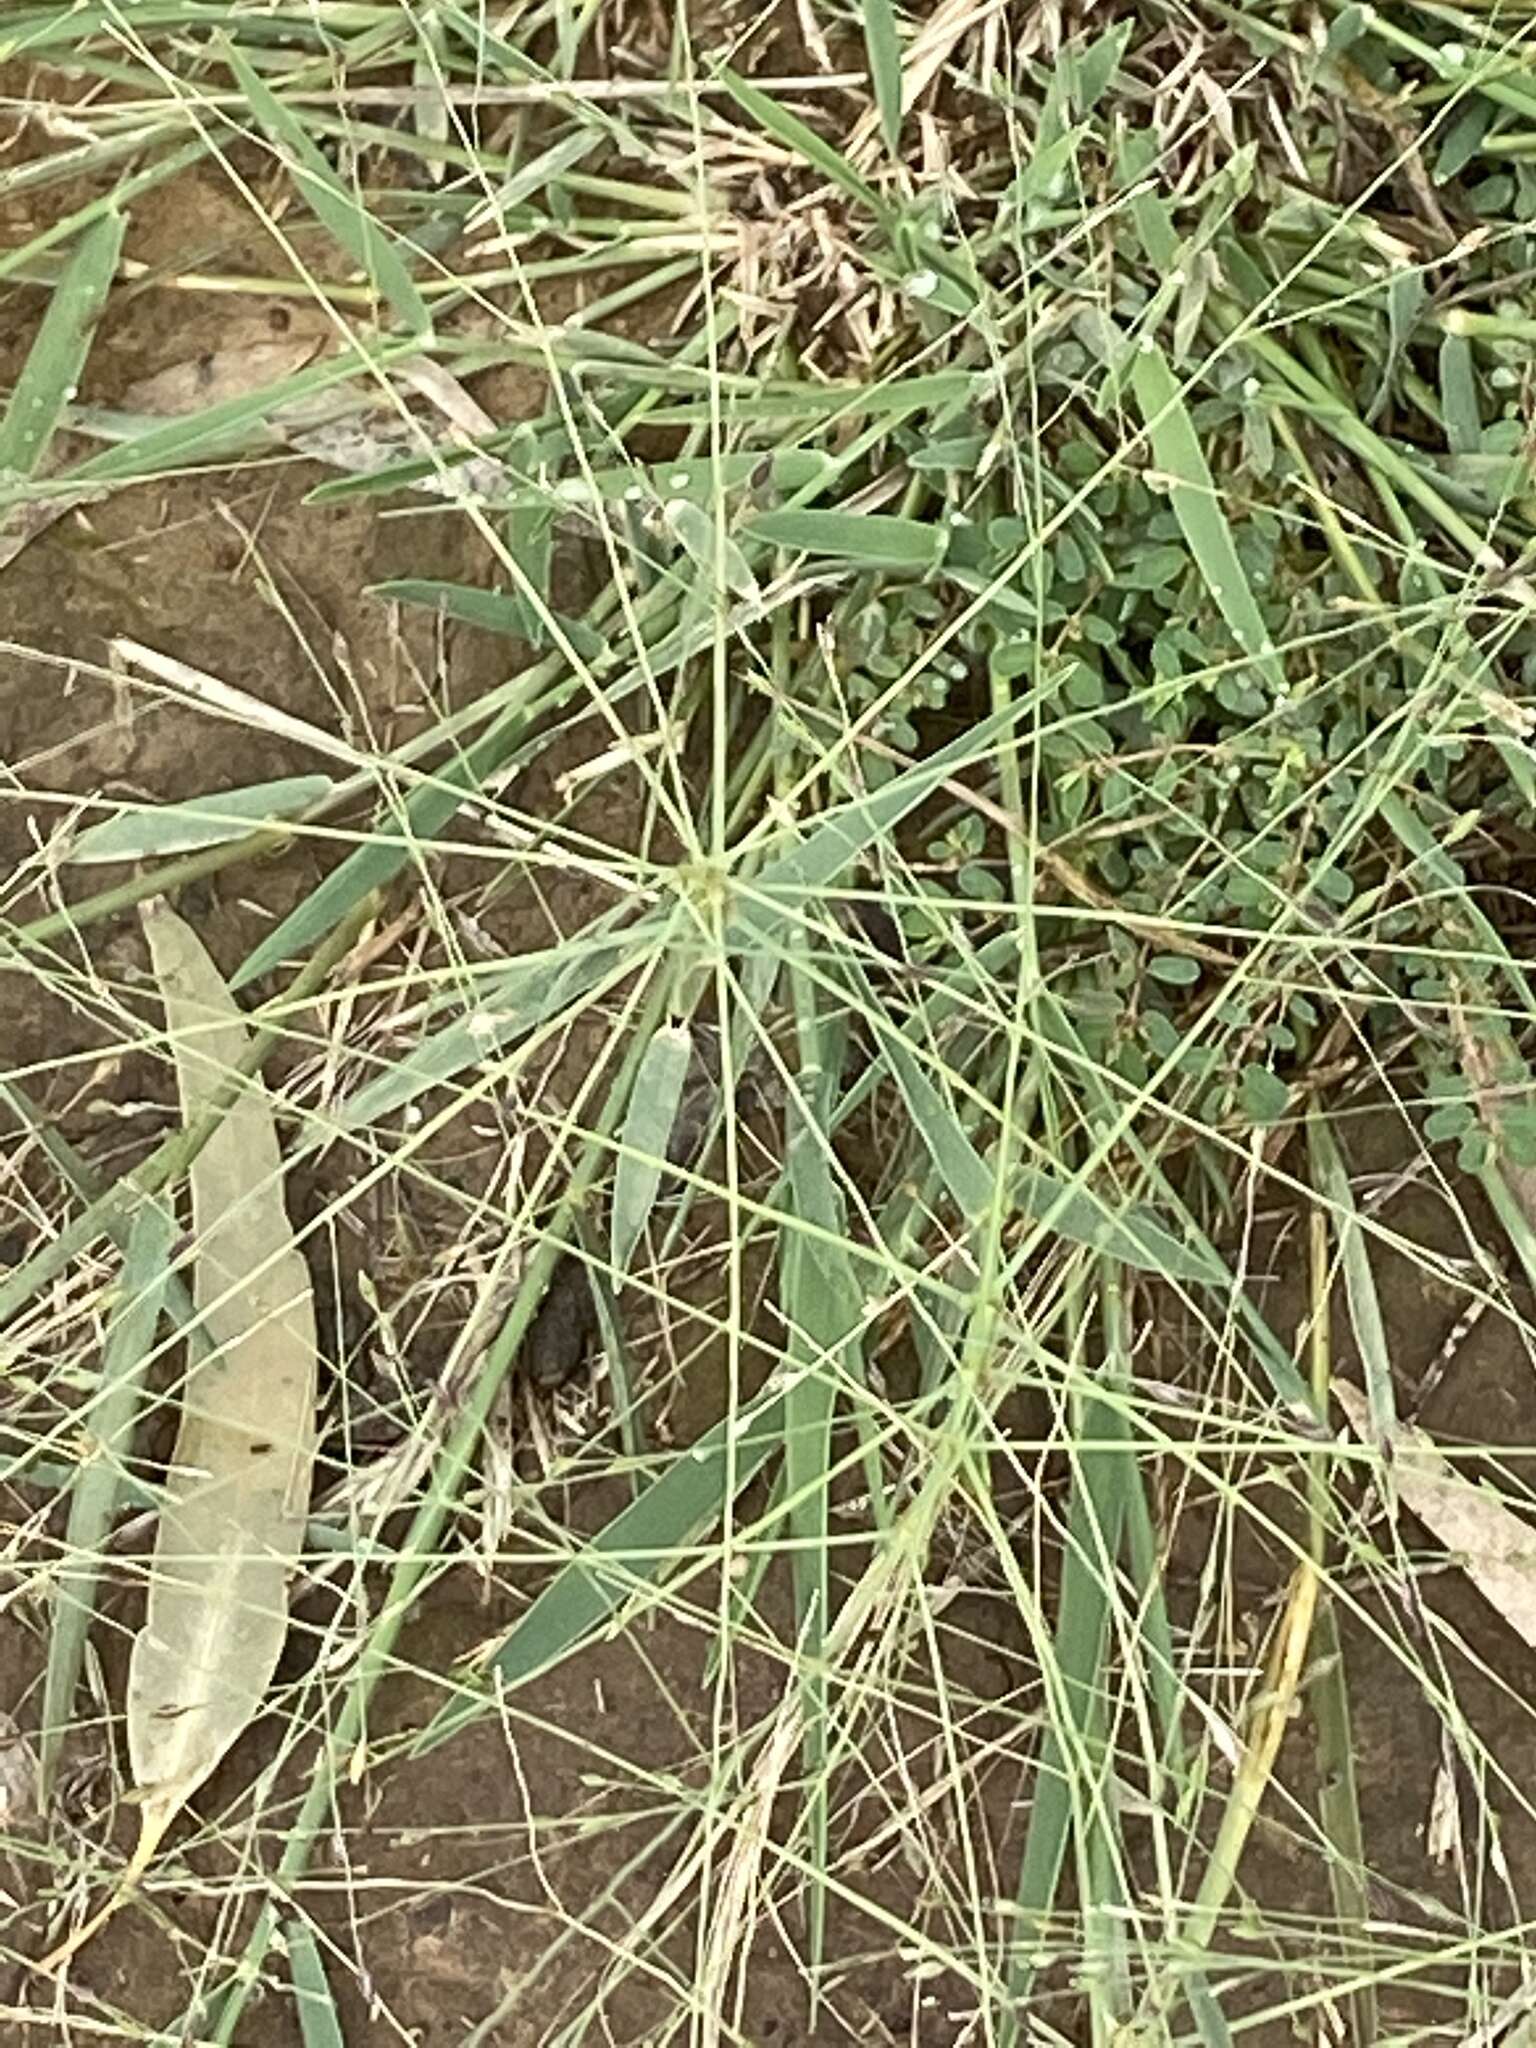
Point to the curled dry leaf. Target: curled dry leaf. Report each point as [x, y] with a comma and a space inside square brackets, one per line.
[1493, 1546]
[237, 1490]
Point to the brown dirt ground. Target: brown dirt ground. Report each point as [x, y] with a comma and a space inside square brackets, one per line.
[495, 1892]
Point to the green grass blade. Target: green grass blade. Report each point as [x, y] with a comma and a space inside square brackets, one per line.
[1458, 396]
[1272, 1357]
[494, 611]
[319, 2022]
[97, 1490]
[508, 1008]
[797, 135]
[847, 831]
[882, 43]
[869, 540]
[1338, 1792]
[822, 1304]
[1177, 451]
[1440, 867]
[632, 1554]
[1072, 1793]
[51, 373]
[142, 832]
[644, 1140]
[339, 211]
[1132, 1234]
[424, 815]
[1332, 1181]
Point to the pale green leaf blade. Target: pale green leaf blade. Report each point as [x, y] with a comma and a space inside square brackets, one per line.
[1073, 1745]
[870, 540]
[842, 834]
[341, 212]
[57, 356]
[494, 611]
[710, 548]
[1332, 1179]
[633, 1553]
[1132, 1233]
[882, 43]
[798, 135]
[147, 832]
[1196, 503]
[1458, 396]
[645, 1137]
[535, 989]
[822, 1305]
[319, 2022]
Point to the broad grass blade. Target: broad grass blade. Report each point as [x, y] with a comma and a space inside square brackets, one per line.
[1332, 1181]
[1177, 451]
[354, 228]
[515, 1003]
[883, 45]
[52, 369]
[494, 611]
[97, 1489]
[822, 1305]
[634, 1551]
[1071, 1793]
[1338, 1791]
[1132, 1234]
[837, 840]
[869, 540]
[1438, 866]
[797, 135]
[419, 819]
[646, 1135]
[430, 67]
[146, 834]
[1458, 396]
[423, 816]
[319, 2022]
